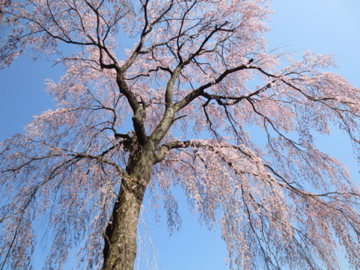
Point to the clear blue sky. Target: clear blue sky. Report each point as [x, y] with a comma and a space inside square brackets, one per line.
[324, 26]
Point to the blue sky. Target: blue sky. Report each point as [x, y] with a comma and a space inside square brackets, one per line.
[324, 26]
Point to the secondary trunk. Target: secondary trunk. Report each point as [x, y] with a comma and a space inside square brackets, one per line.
[120, 235]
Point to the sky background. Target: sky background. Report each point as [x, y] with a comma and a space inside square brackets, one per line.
[324, 26]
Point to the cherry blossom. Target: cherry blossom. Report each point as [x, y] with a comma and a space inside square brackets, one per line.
[175, 109]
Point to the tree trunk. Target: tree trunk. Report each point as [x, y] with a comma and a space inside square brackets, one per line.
[120, 235]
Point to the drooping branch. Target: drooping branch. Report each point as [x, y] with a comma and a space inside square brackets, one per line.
[217, 149]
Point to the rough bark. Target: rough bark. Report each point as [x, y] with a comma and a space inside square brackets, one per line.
[120, 234]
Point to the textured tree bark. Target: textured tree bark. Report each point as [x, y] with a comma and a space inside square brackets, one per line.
[120, 234]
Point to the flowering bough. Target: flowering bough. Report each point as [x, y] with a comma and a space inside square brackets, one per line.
[186, 89]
